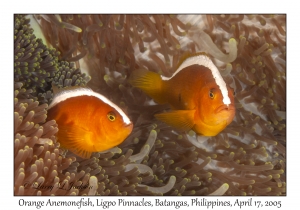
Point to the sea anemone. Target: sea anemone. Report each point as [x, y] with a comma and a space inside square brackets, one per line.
[247, 158]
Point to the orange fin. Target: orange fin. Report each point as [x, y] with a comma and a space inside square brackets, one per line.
[187, 55]
[59, 90]
[148, 81]
[180, 119]
[75, 139]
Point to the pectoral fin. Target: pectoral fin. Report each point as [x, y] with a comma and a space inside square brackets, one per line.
[75, 139]
[180, 119]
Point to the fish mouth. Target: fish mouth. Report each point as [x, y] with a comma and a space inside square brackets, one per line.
[225, 107]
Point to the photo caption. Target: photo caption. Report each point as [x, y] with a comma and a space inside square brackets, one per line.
[114, 203]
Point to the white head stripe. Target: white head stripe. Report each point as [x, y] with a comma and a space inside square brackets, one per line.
[88, 92]
[203, 60]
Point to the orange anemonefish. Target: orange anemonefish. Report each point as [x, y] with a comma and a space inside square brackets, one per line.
[87, 121]
[197, 93]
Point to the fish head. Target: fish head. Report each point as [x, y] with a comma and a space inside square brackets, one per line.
[212, 109]
[115, 127]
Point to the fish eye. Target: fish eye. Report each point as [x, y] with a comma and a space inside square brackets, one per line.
[111, 116]
[211, 94]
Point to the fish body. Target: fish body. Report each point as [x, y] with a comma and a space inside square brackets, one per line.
[87, 121]
[199, 97]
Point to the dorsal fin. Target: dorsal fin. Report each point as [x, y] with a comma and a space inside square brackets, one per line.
[57, 91]
[187, 55]
[186, 60]
[75, 91]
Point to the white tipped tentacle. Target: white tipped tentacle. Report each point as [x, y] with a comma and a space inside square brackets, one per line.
[221, 190]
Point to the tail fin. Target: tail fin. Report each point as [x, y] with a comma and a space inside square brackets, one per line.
[150, 82]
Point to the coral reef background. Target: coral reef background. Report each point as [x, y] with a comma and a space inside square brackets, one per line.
[247, 158]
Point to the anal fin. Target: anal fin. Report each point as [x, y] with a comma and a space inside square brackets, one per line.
[180, 119]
